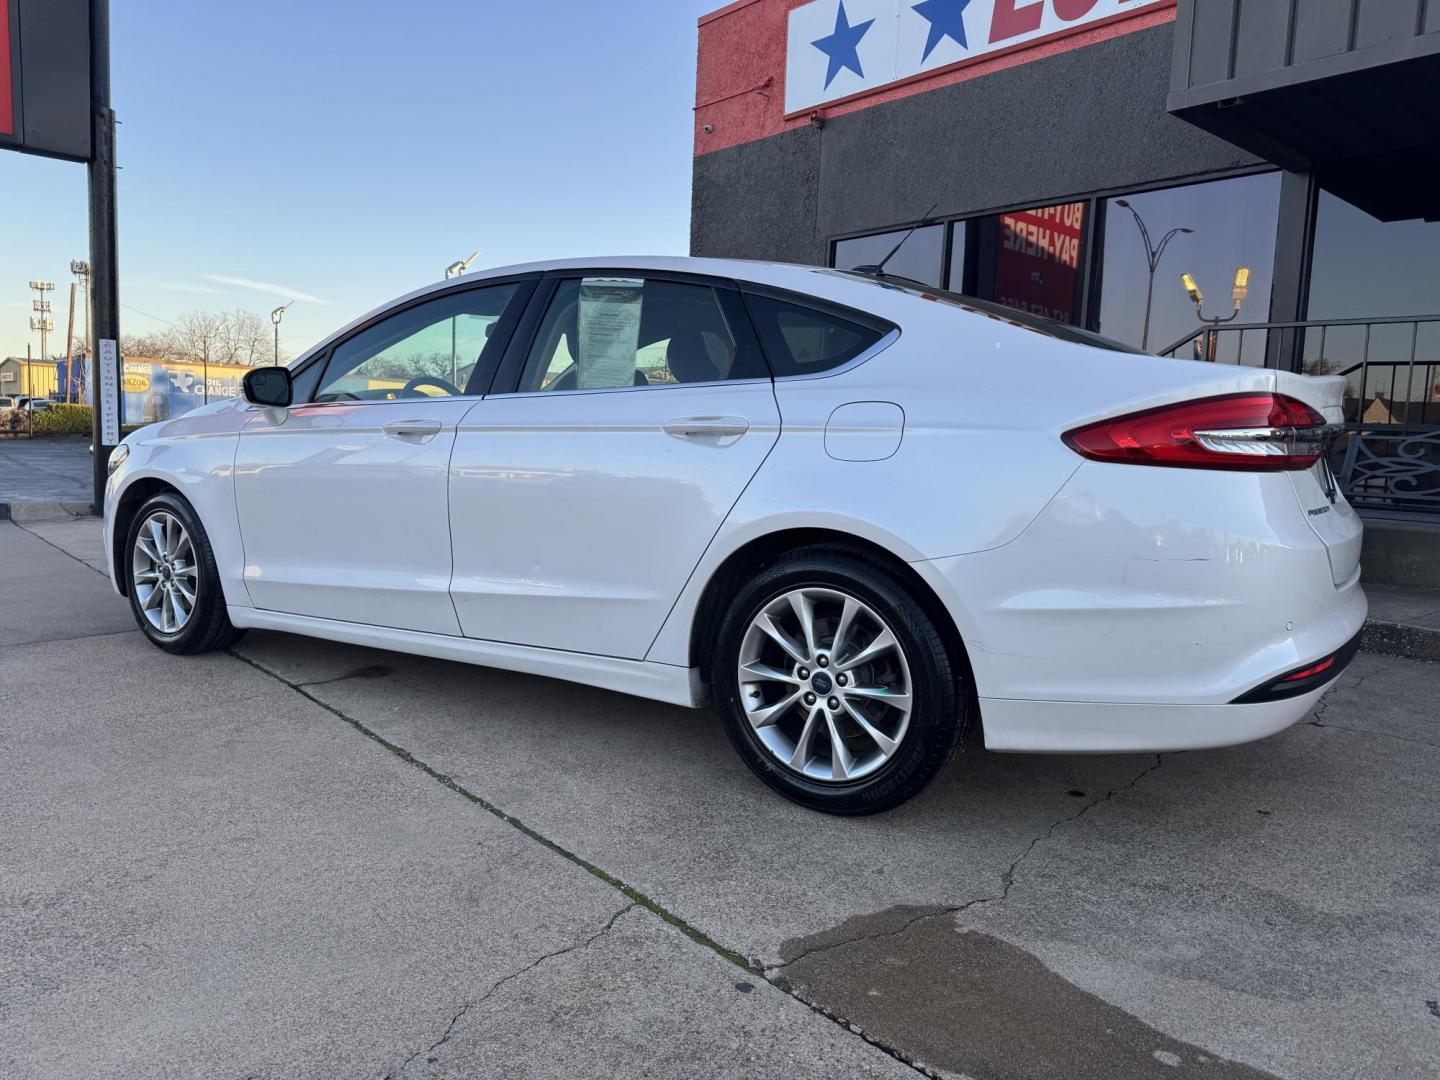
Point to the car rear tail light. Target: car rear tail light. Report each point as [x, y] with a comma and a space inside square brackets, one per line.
[1303, 680]
[1258, 432]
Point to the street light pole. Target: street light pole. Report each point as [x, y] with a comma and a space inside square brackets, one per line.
[1153, 254]
[456, 269]
[1238, 293]
[275, 317]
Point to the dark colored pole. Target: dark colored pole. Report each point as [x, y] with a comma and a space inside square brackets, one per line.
[104, 259]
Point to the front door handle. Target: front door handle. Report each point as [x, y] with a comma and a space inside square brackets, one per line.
[713, 426]
[400, 429]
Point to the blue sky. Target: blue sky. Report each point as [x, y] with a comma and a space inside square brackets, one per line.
[345, 152]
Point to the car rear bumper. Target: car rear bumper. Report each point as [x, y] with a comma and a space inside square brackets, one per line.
[1080, 727]
[1140, 605]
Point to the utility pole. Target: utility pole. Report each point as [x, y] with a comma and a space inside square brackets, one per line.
[104, 274]
[41, 320]
[81, 269]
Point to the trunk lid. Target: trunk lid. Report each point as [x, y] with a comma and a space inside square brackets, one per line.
[1316, 489]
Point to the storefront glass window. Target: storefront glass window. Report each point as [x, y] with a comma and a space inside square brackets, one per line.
[920, 258]
[956, 281]
[1031, 260]
[1364, 268]
[1231, 224]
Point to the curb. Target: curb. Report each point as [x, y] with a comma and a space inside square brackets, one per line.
[44, 510]
[1401, 639]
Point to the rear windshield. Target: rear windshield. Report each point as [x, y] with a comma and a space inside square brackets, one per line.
[1048, 327]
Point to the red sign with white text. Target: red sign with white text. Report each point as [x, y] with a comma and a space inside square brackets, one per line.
[7, 73]
[1037, 266]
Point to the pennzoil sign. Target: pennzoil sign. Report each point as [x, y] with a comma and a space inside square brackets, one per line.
[839, 48]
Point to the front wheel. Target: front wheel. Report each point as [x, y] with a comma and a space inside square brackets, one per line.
[174, 587]
[835, 685]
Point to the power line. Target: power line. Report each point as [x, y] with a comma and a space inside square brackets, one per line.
[137, 311]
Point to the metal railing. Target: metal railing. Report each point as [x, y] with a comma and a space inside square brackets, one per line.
[1388, 460]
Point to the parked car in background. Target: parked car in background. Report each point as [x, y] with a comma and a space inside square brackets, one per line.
[857, 514]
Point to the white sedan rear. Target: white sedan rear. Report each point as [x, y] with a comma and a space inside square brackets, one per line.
[857, 515]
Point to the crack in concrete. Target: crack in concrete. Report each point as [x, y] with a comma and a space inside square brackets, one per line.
[638, 898]
[1316, 718]
[471, 1005]
[76, 637]
[370, 671]
[62, 551]
[1007, 879]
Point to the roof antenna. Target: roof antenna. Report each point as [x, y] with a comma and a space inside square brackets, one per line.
[878, 270]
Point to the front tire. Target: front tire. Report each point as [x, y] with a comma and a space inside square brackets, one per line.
[173, 584]
[835, 686]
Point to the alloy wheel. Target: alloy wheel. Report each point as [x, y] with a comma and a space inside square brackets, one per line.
[825, 684]
[164, 572]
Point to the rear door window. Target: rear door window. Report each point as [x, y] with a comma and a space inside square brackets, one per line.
[610, 333]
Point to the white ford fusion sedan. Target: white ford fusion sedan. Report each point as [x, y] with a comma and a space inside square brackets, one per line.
[858, 515]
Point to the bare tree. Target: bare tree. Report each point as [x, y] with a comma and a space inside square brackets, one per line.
[229, 337]
[151, 346]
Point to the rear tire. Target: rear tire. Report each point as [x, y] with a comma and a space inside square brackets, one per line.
[172, 581]
[891, 692]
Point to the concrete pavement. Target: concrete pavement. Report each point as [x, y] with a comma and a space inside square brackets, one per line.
[46, 469]
[311, 859]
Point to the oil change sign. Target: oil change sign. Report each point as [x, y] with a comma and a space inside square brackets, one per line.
[838, 48]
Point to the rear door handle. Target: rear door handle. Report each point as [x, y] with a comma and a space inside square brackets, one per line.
[400, 429]
[714, 426]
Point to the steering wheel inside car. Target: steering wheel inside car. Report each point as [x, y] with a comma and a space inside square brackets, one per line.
[429, 380]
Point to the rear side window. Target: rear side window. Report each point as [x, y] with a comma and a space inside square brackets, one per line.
[613, 333]
[802, 340]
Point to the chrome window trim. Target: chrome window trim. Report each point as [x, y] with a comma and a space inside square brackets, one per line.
[628, 389]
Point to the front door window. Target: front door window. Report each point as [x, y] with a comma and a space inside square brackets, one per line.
[431, 350]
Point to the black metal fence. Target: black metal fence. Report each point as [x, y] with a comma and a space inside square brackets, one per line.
[1388, 460]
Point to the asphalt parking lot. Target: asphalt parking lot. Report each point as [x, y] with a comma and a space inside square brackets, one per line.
[303, 860]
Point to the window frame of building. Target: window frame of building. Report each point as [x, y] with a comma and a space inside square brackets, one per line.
[964, 243]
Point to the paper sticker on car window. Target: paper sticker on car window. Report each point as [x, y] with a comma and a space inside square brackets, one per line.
[609, 332]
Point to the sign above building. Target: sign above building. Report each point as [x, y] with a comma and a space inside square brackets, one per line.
[45, 77]
[839, 48]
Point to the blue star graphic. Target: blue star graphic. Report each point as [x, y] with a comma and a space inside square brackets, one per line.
[946, 20]
[841, 46]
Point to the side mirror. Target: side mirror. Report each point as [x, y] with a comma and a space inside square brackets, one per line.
[268, 386]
